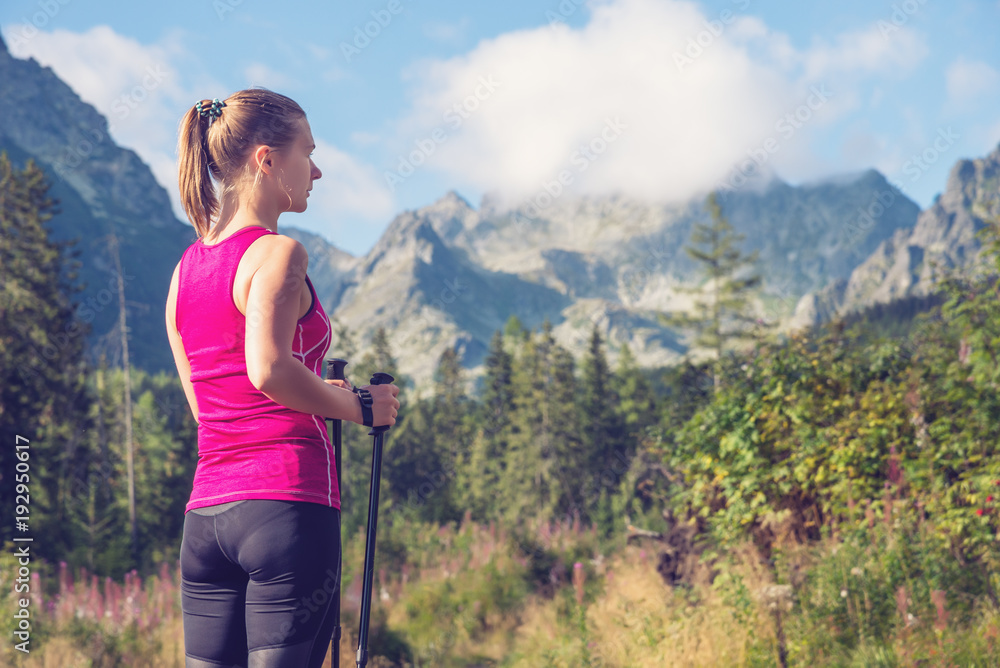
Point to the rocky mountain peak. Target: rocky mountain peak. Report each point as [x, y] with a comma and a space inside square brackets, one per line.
[973, 182]
[451, 216]
[903, 263]
[451, 203]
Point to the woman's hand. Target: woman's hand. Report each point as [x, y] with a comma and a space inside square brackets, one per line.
[385, 404]
[346, 384]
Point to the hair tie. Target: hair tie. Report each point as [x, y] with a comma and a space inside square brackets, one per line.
[213, 111]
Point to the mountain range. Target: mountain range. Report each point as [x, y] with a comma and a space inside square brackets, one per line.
[451, 274]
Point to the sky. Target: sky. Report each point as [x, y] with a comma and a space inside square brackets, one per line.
[529, 101]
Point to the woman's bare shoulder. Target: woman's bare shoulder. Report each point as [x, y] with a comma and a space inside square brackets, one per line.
[278, 250]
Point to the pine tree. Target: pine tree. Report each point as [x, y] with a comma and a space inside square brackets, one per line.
[449, 381]
[603, 430]
[636, 401]
[723, 315]
[412, 470]
[378, 357]
[524, 458]
[42, 394]
[453, 430]
[485, 472]
[514, 333]
[561, 443]
[638, 410]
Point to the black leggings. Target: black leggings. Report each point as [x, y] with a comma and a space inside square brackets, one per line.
[257, 583]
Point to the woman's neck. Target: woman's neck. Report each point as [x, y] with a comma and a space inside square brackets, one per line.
[235, 215]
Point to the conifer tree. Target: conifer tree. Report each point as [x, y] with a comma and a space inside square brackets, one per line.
[525, 463]
[564, 420]
[412, 471]
[485, 471]
[723, 314]
[42, 394]
[449, 380]
[636, 401]
[552, 425]
[514, 333]
[603, 428]
[453, 426]
[378, 357]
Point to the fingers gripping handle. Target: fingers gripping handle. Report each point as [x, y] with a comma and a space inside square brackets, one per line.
[380, 378]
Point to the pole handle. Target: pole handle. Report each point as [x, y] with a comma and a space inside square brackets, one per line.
[335, 369]
[380, 378]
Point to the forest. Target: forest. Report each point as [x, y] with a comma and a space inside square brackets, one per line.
[825, 497]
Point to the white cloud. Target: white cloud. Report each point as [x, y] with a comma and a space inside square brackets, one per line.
[693, 97]
[365, 138]
[349, 190]
[867, 50]
[968, 80]
[441, 31]
[259, 74]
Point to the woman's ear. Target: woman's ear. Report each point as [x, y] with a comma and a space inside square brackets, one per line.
[262, 159]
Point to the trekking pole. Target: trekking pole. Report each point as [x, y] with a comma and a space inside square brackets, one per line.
[378, 378]
[335, 370]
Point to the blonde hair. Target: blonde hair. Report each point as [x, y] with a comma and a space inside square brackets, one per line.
[220, 147]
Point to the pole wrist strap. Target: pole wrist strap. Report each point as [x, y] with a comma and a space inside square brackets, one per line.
[366, 399]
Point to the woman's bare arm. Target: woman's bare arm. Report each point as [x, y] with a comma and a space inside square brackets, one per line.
[271, 317]
[177, 346]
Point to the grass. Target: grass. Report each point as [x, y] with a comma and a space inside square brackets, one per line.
[554, 595]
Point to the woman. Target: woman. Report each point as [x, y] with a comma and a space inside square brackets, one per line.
[262, 527]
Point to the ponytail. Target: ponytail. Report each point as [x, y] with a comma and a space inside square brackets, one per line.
[197, 191]
[217, 145]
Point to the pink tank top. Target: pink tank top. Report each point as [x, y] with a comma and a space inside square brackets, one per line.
[249, 447]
